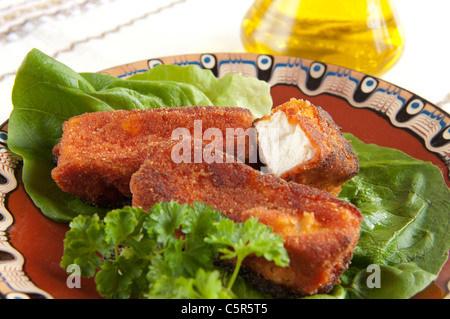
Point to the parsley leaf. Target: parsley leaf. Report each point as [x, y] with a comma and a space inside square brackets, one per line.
[205, 285]
[165, 220]
[181, 230]
[124, 224]
[242, 239]
[118, 278]
[85, 239]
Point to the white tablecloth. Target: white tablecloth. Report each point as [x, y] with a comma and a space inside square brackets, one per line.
[91, 35]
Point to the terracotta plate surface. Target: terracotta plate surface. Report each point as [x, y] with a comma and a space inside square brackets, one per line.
[373, 110]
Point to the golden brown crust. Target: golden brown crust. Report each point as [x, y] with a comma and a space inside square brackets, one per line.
[334, 162]
[100, 151]
[320, 231]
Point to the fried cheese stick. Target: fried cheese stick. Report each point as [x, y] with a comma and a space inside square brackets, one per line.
[320, 231]
[300, 142]
[99, 151]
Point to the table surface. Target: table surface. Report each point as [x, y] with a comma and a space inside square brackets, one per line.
[92, 35]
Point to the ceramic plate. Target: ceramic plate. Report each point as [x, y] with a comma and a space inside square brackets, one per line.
[373, 110]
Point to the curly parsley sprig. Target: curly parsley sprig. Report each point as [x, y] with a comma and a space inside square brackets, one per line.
[168, 252]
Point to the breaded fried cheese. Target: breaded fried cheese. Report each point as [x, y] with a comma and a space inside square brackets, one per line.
[99, 152]
[301, 142]
[320, 230]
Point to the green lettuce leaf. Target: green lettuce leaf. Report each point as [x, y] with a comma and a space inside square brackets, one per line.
[229, 90]
[406, 229]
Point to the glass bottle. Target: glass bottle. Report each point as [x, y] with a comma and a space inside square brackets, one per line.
[364, 35]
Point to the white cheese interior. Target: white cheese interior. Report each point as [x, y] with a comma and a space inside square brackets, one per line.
[282, 145]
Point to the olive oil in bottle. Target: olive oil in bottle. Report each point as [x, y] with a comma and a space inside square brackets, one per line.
[364, 35]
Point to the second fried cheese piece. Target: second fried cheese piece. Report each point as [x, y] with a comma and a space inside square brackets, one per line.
[99, 151]
[320, 231]
[300, 142]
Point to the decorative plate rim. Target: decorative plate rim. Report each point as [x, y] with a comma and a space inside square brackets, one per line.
[403, 109]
